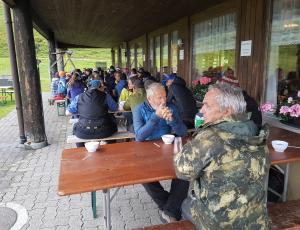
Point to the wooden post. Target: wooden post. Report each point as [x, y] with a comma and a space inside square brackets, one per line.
[253, 24]
[113, 60]
[29, 77]
[14, 71]
[52, 56]
[60, 59]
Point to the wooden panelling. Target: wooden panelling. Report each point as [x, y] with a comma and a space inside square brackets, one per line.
[253, 24]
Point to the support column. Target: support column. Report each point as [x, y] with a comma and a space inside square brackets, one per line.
[52, 56]
[60, 59]
[14, 71]
[29, 77]
[113, 59]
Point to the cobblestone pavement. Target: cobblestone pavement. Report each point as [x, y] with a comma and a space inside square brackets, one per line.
[30, 178]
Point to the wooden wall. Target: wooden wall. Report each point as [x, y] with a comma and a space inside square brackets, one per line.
[253, 24]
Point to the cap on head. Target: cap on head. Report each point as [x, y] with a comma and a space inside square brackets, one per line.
[61, 73]
[95, 84]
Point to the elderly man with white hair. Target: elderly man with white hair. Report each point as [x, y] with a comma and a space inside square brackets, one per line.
[152, 119]
[227, 166]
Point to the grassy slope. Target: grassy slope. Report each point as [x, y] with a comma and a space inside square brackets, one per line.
[81, 58]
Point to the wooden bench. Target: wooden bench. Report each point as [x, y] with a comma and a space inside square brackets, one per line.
[3, 99]
[178, 225]
[117, 136]
[282, 216]
[10, 92]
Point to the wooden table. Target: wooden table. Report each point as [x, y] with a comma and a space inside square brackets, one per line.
[128, 163]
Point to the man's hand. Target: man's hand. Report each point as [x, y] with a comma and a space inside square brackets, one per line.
[164, 112]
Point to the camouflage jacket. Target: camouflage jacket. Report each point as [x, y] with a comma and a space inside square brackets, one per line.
[227, 166]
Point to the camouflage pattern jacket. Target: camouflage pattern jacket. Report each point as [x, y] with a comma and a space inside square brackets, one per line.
[227, 166]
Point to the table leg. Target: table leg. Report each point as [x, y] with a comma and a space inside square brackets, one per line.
[93, 194]
[107, 219]
[286, 180]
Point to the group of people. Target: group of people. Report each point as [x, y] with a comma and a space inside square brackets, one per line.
[221, 173]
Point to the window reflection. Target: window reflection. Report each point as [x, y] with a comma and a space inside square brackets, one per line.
[283, 78]
[214, 44]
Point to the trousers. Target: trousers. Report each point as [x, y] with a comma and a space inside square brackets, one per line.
[169, 202]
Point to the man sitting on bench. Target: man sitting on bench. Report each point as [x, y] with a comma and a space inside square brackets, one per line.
[227, 166]
[92, 108]
[152, 119]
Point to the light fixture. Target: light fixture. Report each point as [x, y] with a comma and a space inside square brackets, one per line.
[290, 25]
[180, 42]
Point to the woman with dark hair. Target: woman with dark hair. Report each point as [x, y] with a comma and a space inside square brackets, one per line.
[75, 86]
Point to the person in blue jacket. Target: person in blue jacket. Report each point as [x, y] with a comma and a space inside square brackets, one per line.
[152, 119]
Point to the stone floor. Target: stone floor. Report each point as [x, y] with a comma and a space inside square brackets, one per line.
[30, 178]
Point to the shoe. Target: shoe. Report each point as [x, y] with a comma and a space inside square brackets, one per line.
[166, 218]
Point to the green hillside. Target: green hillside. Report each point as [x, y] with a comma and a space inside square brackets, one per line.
[81, 57]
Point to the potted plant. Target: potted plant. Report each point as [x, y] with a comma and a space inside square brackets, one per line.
[200, 85]
[288, 110]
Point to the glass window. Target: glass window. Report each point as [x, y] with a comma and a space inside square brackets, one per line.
[283, 72]
[139, 55]
[174, 51]
[214, 44]
[165, 51]
[157, 53]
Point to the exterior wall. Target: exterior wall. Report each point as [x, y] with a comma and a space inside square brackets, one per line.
[143, 41]
[254, 22]
[183, 32]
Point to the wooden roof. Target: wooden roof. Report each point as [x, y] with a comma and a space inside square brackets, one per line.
[107, 23]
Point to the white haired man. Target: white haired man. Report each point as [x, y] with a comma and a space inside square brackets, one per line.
[152, 119]
[227, 166]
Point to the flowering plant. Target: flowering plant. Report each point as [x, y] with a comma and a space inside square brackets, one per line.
[287, 110]
[201, 84]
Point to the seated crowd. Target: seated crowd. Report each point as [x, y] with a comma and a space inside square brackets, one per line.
[221, 173]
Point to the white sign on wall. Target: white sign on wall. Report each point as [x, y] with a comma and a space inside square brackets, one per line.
[246, 48]
[181, 54]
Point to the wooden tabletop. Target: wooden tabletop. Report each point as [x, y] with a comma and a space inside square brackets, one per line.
[290, 154]
[115, 165]
[127, 163]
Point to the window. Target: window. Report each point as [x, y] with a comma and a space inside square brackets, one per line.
[157, 53]
[283, 72]
[213, 44]
[174, 51]
[165, 51]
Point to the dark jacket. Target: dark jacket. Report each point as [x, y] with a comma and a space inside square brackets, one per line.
[94, 119]
[252, 107]
[183, 99]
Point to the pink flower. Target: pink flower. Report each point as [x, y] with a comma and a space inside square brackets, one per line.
[298, 94]
[284, 110]
[267, 107]
[205, 80]
[295, 110]
[290, 99]
[195, 82]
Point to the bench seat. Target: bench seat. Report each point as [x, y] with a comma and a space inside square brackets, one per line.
[282, 216]
[178, 225]
[117, 136]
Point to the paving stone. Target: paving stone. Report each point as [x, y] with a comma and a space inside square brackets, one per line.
[30, 177]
